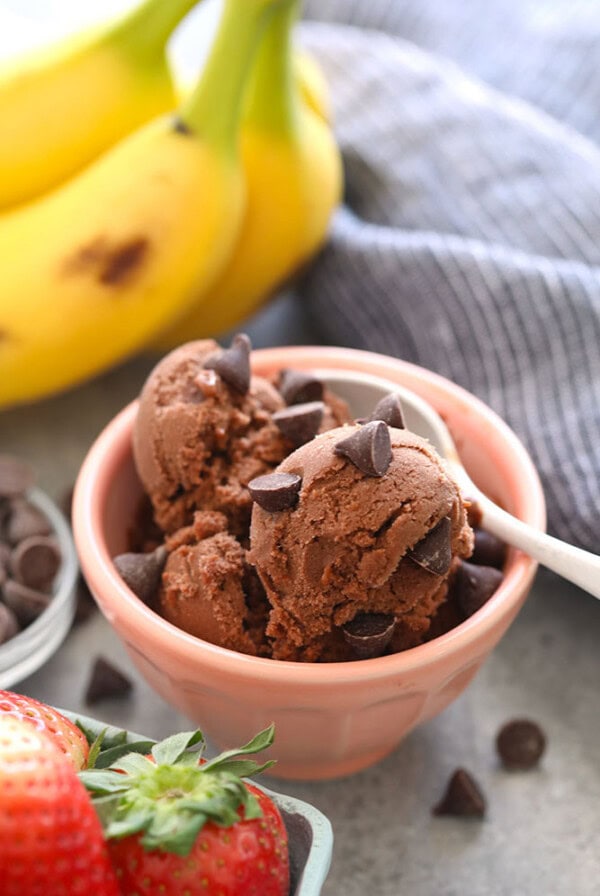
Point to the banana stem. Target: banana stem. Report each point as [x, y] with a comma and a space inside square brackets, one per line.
[148, 27]
[273, 99]
[214, 108]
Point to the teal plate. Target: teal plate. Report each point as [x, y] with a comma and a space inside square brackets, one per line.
[309, 831]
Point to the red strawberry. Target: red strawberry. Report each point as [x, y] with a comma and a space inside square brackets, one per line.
[67, 736]
[176, 825]
[51, 839]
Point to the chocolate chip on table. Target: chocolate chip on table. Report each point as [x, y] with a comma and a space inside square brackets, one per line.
[300, 422]
[106, 681]
[368, 448]
[16, 476]
[473, 585]
[389, 409]
[9, 625]
[233, 363]
[24, 521]
[520, 744]
[488, 550]
[26, 603]
[275, 491]
[298, 387]
[368, 634]
[35, 561]
[142, 572]
[463, 797]
[434, 551]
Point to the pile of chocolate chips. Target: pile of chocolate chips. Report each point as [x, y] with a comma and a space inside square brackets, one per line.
[29, 554]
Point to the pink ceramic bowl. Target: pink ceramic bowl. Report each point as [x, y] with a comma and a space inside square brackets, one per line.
[331, 719]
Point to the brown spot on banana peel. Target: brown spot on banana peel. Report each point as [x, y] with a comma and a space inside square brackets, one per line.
[111, 264]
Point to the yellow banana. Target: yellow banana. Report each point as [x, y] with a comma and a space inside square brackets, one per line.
[293, 179]
[62, 107]
[91, 271]
[312, 83]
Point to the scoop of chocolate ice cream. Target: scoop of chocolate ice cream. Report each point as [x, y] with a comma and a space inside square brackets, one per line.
[198, 439]
[371, 523]
[209, 590]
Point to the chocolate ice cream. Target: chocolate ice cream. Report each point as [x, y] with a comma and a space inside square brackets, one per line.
[209, 590]
[204, 429]
[361, 526]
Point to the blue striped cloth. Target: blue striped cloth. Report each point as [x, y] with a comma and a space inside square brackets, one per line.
[469, 241]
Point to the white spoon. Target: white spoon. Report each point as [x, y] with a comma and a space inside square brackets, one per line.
[363, 391]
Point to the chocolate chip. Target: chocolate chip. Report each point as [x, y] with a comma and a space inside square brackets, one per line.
[275, 491]
[368, 634]
[106, 681]
[25, 520]
[368, 448]
[463, 797]
[473, 586]
[142, 572]
[300, 422]
[520, 744]
[389, 409]
[434, 551]
[233, 364]
[9, 625]
[298, 387]
[16, 476]
[26, 603]
[488, 550]
[35, 561]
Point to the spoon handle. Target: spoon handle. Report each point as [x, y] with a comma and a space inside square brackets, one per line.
[574, 564]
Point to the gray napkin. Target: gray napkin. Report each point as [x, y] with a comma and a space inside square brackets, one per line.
[469, 241]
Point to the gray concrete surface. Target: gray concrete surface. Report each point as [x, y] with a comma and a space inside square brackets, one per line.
[540, 837]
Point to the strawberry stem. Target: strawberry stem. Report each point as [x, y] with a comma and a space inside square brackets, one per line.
[168, 798]
[213, 110]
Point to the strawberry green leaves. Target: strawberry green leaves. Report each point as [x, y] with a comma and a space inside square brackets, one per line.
[169, 795]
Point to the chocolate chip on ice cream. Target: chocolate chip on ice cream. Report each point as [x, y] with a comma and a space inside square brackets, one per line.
[368, 634]
[299, 386]
[488, 550]
[142, 571]
[368, 447]
[389, 409]
[434, 551]
[474, 585]
[300, 422]
[233, 364]
[275, 491]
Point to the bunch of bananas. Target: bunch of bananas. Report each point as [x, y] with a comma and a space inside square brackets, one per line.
[132, 218]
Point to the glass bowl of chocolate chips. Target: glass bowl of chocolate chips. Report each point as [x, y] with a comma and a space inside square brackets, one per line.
[38, 573]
